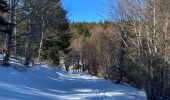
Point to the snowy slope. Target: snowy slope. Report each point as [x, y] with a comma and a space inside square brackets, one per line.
[43, 83]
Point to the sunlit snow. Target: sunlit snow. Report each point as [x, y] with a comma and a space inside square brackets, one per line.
[44, 83]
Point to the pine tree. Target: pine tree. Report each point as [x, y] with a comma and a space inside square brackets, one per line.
[58, 39]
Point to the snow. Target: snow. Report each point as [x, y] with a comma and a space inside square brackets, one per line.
[44, 83]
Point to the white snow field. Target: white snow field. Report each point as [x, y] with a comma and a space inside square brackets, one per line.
[44, 83]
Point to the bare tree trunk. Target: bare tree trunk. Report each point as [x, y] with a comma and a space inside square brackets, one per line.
[121, 56]
[9, 35]
[15, 39]
[42, 37]
[154, 27]
[28, 55]
[40, 47]
[8, 51]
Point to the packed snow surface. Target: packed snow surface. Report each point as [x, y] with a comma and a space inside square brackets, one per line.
[44, 83]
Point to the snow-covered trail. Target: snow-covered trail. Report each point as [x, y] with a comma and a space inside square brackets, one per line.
[43, 83]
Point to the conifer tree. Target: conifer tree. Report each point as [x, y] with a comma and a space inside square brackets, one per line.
[58, 39]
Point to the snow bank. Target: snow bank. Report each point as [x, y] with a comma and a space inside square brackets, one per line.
[44, 83]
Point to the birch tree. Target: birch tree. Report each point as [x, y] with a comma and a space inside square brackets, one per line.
[150, 21]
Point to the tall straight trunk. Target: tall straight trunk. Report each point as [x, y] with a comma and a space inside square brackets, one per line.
[8, 51]
[28, 52]
[14, 4]
[9, 35]
[40, 46]
[28, 55]
[154, 28]
[121, 56]
[15, 39]
[42, 37]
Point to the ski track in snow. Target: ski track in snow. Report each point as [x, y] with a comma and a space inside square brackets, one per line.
[44, 83]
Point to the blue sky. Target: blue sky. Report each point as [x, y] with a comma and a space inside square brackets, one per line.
[84, 10]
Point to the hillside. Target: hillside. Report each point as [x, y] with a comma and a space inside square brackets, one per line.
[44, 83]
